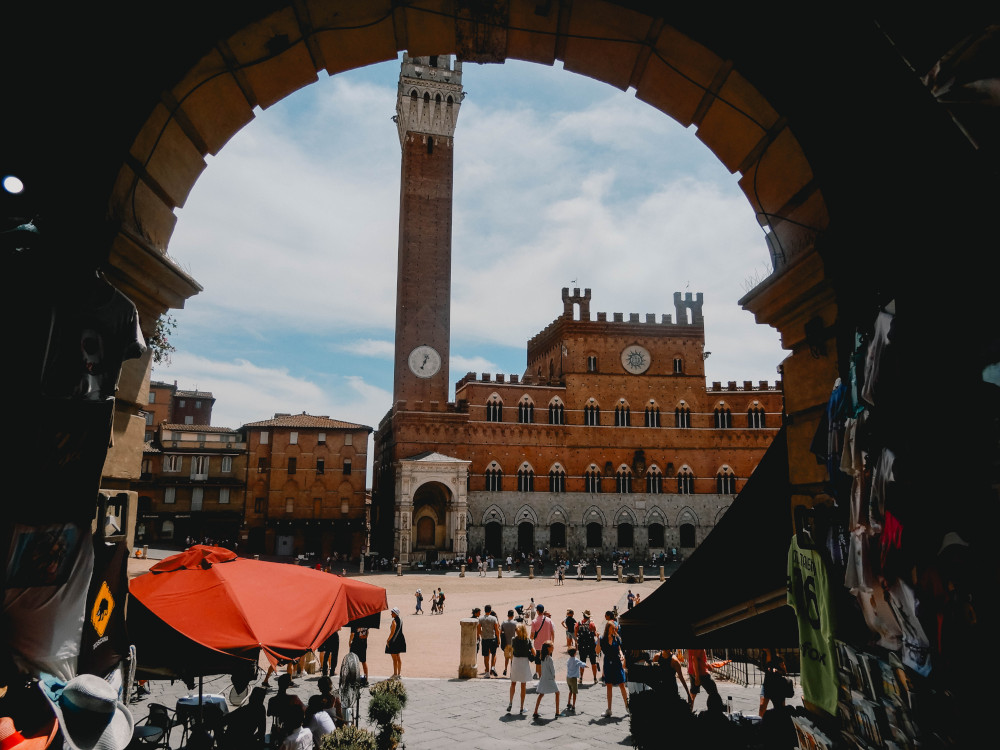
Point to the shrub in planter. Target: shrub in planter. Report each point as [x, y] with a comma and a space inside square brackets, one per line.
[393, 687]
[383, 707]
[348, 737]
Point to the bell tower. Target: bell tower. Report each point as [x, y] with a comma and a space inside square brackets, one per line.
[427, 104]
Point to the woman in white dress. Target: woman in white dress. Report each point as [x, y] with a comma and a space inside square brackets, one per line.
[547, 682]
[521, 668]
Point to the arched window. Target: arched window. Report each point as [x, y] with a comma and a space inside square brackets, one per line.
[595, 535]
[413, 95]
[438, 98]
[626, 535]
[526, 412]
[654, 481]
[525, 480]
[656, 536]
[652, 416]
[557, 535]
[682, 416]
[592, 480]
[591, 415]
[557, 479]
[723, 417]
[687, 535]
[557, 413]
[623, 417]
[427, 97]
[623, 480]
[685, 481]
[725, 481]
[494, 410]
[756, 417]
[592, 364]
[494, 479]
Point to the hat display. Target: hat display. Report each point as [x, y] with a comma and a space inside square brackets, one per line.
[90, 715]
[10, 737]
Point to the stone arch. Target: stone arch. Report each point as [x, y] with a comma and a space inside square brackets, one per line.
[720, 513]
[655, 515]
[526, 514]
[686, 515]
[594, 514]
[625, 515]
[557, 514]
[493, 513]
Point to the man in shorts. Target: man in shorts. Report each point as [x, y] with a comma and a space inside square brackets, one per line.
[586, 641]
[489, 631]
[698, 674]
[508, 629]
[542, 631]
[358, 645]
[569, 625]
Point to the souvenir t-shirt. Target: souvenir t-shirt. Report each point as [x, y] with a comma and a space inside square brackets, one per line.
[809, 596]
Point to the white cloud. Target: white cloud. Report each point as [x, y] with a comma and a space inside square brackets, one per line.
[378, 348]
[460, 366]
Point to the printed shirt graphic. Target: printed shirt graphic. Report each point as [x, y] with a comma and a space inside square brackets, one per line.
[809, 596]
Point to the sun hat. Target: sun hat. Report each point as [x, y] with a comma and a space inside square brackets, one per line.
[10, 737]
[586, 613]
[90, 715]
[395, 610]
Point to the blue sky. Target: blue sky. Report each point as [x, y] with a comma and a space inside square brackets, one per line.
[559, 181]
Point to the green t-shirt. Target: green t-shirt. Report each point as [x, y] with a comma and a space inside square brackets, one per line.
[809, 596]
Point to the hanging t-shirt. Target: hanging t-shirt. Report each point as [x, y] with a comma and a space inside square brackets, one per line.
[91, 334]
[878, 353]
[105, 642]
[48, 573]
[809, 596]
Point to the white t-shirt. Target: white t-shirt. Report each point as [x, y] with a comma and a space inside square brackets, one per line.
[573, 667]
[321, 723]
[300, 739]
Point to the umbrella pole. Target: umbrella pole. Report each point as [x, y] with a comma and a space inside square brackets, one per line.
[201, 702]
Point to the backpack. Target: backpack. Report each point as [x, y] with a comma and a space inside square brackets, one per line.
[585, 636]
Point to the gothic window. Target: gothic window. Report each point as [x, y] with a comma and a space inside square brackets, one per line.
[557, 535]
[623, 416]
[494, 410]
[623, 480]
[678, 365]
[725, 481]
[685, 482]
[591, 363]
[723, 417]
[557, 479]
[656, 536]
[494, 479]
[557, 413]
[592, 415]
[438, 98]
[592, 480]
[654, 481]
[525, 480]
[652, 416]
[413, 95]
[755, 417]
[427, 96]
[626, 535]
[526, 412]
[682, 416]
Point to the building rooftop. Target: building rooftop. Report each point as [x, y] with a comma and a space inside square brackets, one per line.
[307, 420]
[196, 427]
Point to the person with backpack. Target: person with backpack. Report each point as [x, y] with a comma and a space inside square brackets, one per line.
[586, 642]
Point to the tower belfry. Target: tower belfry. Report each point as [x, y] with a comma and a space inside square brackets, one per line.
[427, 104]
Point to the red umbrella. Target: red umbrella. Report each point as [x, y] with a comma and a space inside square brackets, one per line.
[237, 605]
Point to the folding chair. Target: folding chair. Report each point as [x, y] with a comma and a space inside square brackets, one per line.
[154, 731]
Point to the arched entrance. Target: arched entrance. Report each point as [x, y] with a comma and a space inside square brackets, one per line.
[494, 538]
[430, 508]
[526, 536]
[702, 66]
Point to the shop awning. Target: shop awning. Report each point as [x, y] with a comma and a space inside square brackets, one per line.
[731, 591]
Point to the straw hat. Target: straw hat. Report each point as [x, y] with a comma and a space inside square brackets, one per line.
[586, 613]
[89, 712]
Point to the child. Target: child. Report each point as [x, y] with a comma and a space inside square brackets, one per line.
[547, 683]
[574, 673]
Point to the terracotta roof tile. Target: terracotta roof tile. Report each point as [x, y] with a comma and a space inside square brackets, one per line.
[307, 420]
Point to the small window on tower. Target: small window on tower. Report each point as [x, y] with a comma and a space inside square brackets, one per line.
[434, 61]
[430, 145]
[591, 364]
